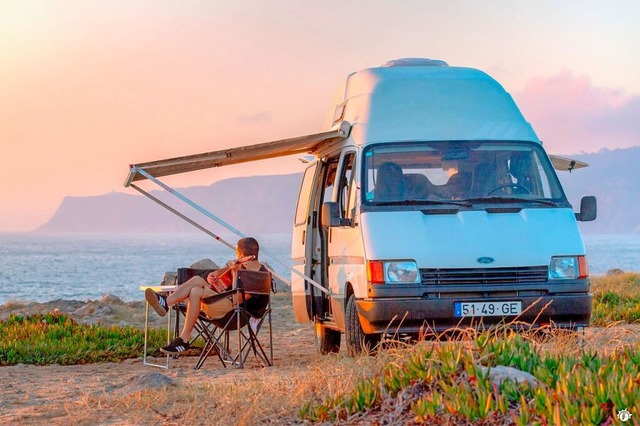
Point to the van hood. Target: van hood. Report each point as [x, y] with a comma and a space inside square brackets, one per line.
[527, 238]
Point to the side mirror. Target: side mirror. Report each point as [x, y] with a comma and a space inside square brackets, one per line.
[330, 216]
[588, 209]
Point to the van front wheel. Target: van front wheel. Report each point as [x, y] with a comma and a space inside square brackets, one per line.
[327, 340]
[357, 341]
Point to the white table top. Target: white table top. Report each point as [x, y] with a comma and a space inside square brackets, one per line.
[158, 288]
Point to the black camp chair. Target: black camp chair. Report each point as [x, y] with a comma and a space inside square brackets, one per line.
[252, 289]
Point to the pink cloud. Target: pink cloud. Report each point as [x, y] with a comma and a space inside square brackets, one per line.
[571, 115]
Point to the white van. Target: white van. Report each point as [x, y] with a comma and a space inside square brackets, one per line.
[440, 209]
[429, 204]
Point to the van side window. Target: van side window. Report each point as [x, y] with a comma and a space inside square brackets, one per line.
[329, 178]
[346, 194]
[302, 209]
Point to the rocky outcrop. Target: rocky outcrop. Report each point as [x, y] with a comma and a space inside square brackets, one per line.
[234, 200]
[108, 310]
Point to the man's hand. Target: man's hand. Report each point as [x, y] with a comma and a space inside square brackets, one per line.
[215, 283]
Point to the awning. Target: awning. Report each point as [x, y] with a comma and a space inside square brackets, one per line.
[566, 164]
[224, 157]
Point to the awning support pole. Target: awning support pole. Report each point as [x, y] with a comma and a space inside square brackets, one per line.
[200, 227]
[183, 217]
[224, 224]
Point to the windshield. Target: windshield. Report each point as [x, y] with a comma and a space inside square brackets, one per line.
[473, 172]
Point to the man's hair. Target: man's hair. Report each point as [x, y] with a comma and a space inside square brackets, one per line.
[249, 246]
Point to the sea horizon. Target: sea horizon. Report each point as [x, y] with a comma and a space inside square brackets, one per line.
[37, 267]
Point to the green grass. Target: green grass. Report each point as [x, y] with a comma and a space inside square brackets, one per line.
[443, 383]
[54, 338]
[616, 298]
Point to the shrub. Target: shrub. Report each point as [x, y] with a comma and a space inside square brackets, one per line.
[54, 338]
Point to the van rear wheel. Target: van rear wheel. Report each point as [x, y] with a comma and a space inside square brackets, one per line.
[327, 339]
[357, 341]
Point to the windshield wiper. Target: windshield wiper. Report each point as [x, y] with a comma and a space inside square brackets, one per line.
[497, 200]
[424, 203]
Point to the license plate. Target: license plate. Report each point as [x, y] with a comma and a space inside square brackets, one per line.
[487, 309]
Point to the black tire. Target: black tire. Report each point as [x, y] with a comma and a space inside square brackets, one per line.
[327, 339]
[357, 341]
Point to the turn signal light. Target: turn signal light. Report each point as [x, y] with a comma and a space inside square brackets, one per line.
[375, 272]
[583, 267]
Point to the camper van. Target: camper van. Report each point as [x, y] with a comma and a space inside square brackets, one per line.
[428, 203]
[440, 209]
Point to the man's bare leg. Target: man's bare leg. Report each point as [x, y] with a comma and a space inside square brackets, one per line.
[193, 309]
[184, 290]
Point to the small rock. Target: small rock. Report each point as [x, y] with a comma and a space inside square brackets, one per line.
[104, 310]
[204, 264]
[169, 278]
[500, 373]
[148, 381]
[110, 299]
[87, 309]
[614, 271]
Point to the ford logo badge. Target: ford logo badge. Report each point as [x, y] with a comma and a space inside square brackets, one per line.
[485, 260]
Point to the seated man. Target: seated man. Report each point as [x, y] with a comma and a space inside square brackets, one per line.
[457, 186]
[197, 288]
[390, 183]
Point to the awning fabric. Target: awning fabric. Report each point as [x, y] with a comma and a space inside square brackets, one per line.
[224, 157]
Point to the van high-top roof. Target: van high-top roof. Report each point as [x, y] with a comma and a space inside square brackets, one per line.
[428, 101]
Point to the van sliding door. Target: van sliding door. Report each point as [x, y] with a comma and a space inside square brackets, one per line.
[301, 250]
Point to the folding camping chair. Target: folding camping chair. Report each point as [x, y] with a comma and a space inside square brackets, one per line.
[252, 291]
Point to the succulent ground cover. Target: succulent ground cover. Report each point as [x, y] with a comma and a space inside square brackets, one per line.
[55, 338]
[450, 383]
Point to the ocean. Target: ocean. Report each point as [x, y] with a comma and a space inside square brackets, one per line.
[41, 268]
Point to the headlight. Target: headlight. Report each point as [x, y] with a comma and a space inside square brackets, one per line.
[568, 268]
[401, 272]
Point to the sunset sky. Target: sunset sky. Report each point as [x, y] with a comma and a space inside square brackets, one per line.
[88, 87]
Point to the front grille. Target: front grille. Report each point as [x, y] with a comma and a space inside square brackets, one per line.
[533, 274]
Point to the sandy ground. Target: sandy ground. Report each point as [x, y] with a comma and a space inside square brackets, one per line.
[113, 393]
[58, 394]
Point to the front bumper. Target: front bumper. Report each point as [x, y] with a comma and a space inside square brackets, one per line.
[412, 315]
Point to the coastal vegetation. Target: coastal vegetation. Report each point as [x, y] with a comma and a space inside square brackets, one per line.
[450, 383]
[434, 381]
[616, 298]
[55, 338]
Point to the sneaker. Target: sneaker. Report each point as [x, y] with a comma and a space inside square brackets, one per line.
[176, 346]
[157, 301]
[254, 323]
